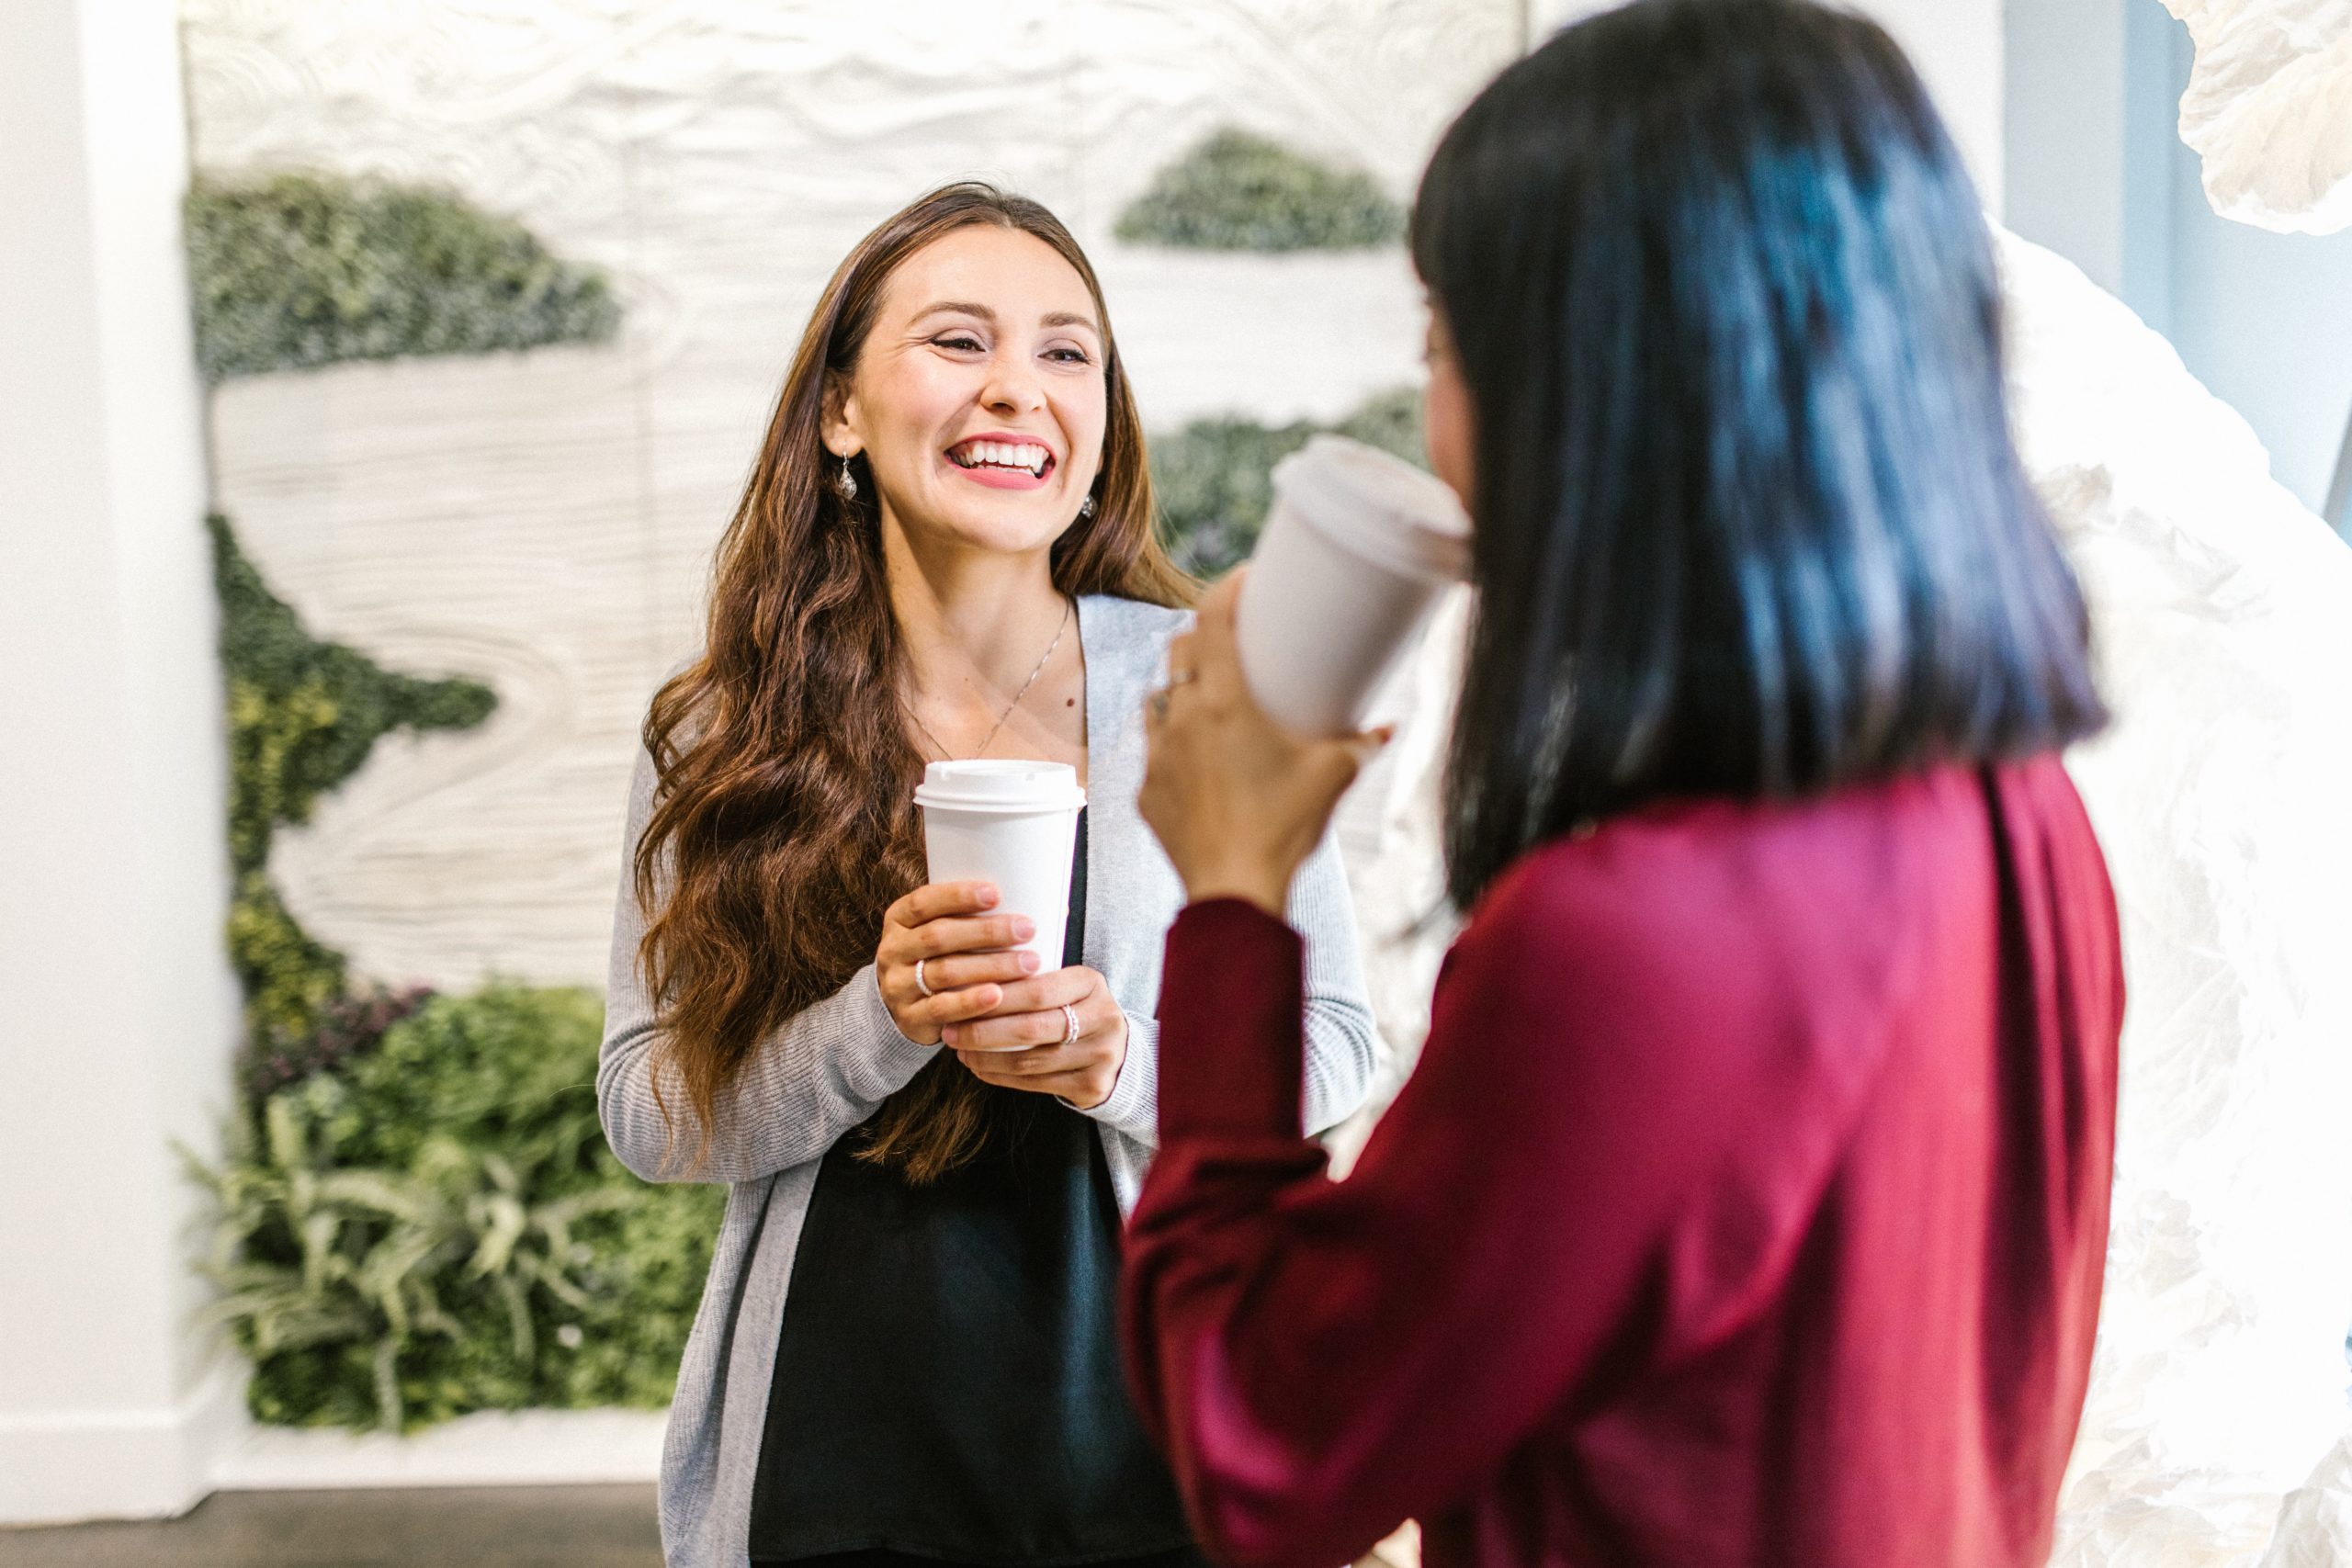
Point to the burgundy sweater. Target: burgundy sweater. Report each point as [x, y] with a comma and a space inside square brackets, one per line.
[1746, 1206]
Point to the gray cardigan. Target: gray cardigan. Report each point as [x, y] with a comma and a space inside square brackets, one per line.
[830, 1065]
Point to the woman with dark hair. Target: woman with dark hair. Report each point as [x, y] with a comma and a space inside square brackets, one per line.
[905, 1349]
[1748, 1202]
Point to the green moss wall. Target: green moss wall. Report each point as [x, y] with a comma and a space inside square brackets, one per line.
[300, 269]
[1214, 477]
[1240, 192]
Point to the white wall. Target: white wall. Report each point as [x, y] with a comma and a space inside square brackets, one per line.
[121, 1013]
[2264, 320]
[2066, 88]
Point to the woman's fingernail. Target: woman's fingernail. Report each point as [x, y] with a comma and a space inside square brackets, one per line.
[986, 893]
[1024, 928]
[1029, 962]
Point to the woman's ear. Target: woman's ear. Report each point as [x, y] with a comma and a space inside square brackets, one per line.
[838, 422]
[1446, 424]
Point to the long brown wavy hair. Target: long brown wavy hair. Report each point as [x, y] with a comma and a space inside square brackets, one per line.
[784, 822]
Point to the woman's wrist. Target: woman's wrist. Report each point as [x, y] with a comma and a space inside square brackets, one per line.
[1266, 886]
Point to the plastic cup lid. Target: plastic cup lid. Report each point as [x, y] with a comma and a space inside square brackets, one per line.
[1377, 505]
[1010, 786]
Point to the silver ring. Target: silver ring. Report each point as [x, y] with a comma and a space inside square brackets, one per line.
[1071, 1013]
[920, 984]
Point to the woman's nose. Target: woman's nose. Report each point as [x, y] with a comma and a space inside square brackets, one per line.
[1012, 386]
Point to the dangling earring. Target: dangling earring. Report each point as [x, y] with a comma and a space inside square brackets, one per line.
[1086, 507]
[845, 482]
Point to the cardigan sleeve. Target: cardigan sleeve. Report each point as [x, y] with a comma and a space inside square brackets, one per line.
[1321, 1360]
[1342, 1042]
[818, 1075]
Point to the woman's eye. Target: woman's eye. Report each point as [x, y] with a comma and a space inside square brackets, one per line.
[1069, 356]
[959, 341]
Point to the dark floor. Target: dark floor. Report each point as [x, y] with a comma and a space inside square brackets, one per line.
[534, 1526]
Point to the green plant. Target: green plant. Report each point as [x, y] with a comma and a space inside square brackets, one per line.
[437, 1226]
[303, 714]
[305, 268]
[1240, 192]
[1214, 477]
[290, 979]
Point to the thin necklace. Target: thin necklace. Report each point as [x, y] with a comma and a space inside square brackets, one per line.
[1067, 608]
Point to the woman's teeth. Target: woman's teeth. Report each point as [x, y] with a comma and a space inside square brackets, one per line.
[999, 455]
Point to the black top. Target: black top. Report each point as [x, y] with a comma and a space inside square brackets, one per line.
[947, 1379]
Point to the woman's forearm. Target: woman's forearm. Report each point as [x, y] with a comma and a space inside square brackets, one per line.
[1323, 1360]
[814, 1079]
[818, 1075]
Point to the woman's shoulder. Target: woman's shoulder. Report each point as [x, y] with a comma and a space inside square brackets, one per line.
[1138, 621]
[1700, 887]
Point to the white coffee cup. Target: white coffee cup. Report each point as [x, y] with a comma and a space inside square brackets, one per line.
[1356, 550]
[1012, 823]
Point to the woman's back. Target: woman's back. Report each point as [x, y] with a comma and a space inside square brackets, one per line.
[1881, 1031]
[1747, 1206]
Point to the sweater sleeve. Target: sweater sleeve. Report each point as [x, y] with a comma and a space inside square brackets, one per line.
[1342, 1043]
[823, 1072]
[1321, 1360]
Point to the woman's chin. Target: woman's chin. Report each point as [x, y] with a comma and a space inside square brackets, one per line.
[1016, 525]
[1005, 535]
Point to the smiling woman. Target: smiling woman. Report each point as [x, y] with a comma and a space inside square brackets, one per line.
[945, 551]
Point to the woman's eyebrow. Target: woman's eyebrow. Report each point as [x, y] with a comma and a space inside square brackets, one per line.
[967, 308]
[957, 307]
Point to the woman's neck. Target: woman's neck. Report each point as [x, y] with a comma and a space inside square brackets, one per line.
[974, 623]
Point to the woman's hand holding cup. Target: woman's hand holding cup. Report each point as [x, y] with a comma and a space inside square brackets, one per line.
[966, 952]
[1060, 1033]
[986, 1000]
[1237, 801]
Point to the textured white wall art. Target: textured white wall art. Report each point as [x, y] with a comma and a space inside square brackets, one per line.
[544, 522]
[2270, 109]
[2223, 613]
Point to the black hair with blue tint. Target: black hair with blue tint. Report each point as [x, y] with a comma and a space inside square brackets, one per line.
[1749, 519]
